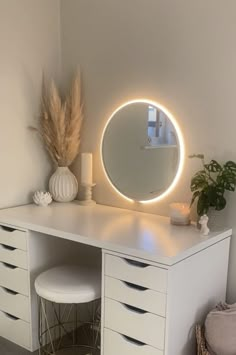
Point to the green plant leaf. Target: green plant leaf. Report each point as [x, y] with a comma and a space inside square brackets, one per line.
[209, 185]
[227, 179]
[202, 204]
[220, 189]
[220, 203]
[230, 165]
[229, 187]
[228, 174]
[213, 166]
[195, 195]
[211, 193]
[199, 181]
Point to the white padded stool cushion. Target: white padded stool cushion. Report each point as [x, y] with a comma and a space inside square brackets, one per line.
[69, 284]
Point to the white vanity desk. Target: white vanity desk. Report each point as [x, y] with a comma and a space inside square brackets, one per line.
[158, 280]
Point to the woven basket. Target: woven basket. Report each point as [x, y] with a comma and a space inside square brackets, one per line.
[201, 341]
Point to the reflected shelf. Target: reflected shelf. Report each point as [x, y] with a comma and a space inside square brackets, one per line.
[159, 146]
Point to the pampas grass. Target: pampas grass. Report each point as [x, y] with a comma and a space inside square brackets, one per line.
[61, 121]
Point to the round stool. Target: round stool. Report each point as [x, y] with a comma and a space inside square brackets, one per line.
[60, 291]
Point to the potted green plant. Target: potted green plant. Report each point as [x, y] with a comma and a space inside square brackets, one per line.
[209, 184]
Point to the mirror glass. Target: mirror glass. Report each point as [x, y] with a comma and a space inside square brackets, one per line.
[141, 150]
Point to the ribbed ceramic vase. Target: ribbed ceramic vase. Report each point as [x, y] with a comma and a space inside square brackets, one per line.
[63, 185]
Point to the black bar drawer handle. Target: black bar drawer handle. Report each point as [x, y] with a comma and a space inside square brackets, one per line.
[136, 287]
[7, 229]
[4, 246]
[133, 341]
[134, 309]
[9, 266]
[136, 263]
[10, 316]
[7, 290]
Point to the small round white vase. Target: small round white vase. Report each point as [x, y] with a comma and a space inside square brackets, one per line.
[63, 185]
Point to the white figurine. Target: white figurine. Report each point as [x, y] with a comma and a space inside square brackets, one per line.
[204, 228]
[42, 198]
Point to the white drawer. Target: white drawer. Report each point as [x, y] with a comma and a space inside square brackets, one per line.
[145, 327]
[137, 296]
[137, 273]
[117, 344]
[15, 330]
[14, 278]
[13, 256]
[15, 304]
[13, 237]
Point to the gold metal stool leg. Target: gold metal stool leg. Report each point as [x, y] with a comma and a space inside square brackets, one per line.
[59, 325]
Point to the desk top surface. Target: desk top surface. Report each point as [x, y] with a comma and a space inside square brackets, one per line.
[138, 234]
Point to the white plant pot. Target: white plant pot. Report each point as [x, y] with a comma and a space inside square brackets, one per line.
[63, 185]
[216, 219]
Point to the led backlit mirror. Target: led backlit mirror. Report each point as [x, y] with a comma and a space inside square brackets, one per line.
[142, 151]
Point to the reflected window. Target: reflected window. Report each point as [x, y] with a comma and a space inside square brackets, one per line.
[160, 129]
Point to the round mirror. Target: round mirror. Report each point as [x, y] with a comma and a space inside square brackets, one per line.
[142, 151]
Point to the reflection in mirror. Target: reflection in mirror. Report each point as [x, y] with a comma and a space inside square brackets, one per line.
[142, 150]
[160, 129]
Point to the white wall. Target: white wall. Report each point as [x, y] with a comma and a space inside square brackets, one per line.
[30, 42]
[179, 53]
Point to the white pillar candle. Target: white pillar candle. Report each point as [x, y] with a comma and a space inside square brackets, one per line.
[179, 213]
[86, 168]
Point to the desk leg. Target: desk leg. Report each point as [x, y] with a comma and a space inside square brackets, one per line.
[102, 302]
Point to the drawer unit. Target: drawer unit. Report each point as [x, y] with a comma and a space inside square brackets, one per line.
[118, 344]
[13, 256]
[15, 330]
[14, 278]
[137, 296]
[135, 323]
[13, 237]
[138, 273]
[15, 304]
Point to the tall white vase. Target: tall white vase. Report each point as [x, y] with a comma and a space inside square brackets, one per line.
[63, 185]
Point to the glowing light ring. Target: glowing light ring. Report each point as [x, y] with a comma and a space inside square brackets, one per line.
[181, 150]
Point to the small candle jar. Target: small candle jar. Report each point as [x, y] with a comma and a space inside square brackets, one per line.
[180, 214]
